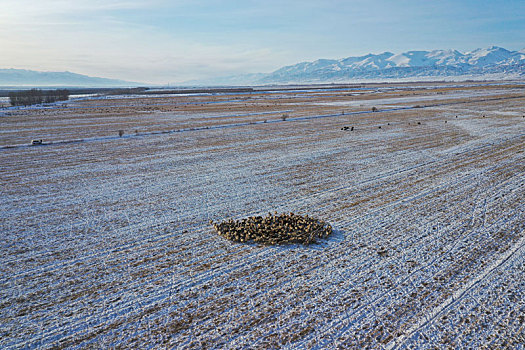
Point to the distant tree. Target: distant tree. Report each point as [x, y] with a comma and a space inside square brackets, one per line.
[37, 96]
[62, 94]
[13, 98]
[26, 98]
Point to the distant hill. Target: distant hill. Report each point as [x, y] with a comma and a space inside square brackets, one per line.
[22, 77]
[438, 64]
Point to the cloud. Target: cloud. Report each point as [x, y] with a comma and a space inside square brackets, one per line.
[137, 54]
[97, 38]
[24, 7]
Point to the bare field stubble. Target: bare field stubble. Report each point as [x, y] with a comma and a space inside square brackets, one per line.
[106, 240]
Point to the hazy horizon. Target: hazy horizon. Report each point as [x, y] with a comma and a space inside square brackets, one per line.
[161, 42]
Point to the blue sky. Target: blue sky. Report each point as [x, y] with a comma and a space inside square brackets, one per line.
[160, 41]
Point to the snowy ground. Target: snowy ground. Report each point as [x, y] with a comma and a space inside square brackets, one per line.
[106, 241]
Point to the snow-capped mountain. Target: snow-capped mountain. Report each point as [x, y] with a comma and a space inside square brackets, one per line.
[438, 63]
[387, 65]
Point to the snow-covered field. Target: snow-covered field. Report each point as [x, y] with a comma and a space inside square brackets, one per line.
[106, 241]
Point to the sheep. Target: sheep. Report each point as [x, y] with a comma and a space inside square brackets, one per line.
[274, 229]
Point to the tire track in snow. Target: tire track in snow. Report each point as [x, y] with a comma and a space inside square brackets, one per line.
[519, 247]
[373, 301]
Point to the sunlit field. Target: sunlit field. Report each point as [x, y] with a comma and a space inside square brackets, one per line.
[106, 240]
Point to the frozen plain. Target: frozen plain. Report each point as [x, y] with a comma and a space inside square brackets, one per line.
[106, 241]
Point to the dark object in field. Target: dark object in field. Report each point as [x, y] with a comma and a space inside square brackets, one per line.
[347, 127]
[274, 229]
[36, 142]
[382, 252]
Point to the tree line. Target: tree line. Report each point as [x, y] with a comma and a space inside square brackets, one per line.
[37, 96]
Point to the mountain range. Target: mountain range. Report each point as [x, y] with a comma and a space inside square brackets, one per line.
[493, 62]
[31, 78]
[479, 63]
